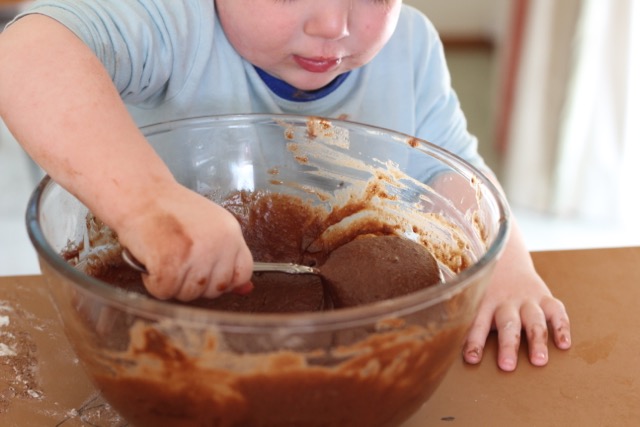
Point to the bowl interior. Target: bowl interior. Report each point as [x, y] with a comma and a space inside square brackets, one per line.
[324, 162]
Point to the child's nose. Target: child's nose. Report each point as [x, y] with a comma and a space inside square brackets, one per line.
[329, 20]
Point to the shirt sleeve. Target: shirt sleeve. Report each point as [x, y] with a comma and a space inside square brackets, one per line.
[145, 45]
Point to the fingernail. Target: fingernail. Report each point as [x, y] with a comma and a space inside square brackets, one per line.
[508, 364]
[539, 357]
[565, 341]
[473, 355]
[244, 289]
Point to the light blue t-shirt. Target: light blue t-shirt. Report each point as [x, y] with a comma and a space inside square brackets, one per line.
[171, 59]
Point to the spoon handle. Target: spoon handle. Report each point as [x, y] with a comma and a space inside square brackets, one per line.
[282, 267]
[133, 261]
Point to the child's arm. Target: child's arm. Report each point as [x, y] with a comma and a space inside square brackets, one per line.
[61, 105]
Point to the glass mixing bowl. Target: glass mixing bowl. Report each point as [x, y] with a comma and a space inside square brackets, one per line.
[165, 364]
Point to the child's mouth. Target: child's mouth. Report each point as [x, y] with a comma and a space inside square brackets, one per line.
[317, 65]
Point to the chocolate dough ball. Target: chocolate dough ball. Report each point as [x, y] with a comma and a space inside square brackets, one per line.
[370, 269]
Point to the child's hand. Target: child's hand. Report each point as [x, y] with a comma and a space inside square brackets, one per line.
[190, 246]
[517, 301]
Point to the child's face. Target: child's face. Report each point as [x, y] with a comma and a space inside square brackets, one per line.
[307, 43]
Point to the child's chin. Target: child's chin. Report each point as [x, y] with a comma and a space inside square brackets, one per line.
[313, 82]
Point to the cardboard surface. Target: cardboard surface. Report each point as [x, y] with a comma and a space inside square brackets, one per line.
[41, 381]
[597, 382]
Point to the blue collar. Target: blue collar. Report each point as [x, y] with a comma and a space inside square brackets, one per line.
[286, 91]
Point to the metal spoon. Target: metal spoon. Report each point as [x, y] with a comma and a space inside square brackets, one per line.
[282, 267]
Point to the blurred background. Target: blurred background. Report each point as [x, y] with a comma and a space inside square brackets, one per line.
[549, 89]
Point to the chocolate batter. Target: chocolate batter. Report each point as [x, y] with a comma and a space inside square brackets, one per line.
[386, 379]
[279, 228]
[274, 293]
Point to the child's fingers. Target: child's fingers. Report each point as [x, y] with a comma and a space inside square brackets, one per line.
[534, 324]
[210, 279]
[509, 327]
[187, 277]
[200, 279]
[163, 281]
[558, 319]
[473, 348]
[231, 275]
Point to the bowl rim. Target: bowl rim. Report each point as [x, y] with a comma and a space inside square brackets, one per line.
[335, 319]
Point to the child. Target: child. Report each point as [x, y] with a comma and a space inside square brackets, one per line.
[79, 77]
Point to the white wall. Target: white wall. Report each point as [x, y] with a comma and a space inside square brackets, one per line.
[466, 18]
